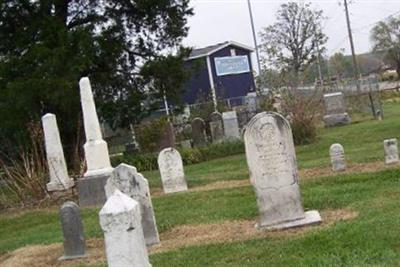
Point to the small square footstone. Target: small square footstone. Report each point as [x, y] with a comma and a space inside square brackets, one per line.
[311, 218]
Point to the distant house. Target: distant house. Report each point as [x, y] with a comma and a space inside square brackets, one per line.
[223, 71]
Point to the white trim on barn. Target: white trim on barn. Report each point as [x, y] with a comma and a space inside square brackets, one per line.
[233, 43]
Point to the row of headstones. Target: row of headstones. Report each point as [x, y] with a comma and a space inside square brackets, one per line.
[223, 126]
[338, 160]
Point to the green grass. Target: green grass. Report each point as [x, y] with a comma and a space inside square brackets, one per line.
[371, 239]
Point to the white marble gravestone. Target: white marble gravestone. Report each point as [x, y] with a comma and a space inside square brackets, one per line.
[391, 151]
[120, 221]
[338, 161]
[71, 224]
[273, 170]
[126, 179]
[59, 179]
[91, 186]
[231, 125]
[96, 150]
[171, 170]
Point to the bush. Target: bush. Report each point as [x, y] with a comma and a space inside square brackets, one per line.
[148, 162]
[148, 134]
[303, 112]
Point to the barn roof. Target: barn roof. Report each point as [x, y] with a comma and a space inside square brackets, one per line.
[206, 51]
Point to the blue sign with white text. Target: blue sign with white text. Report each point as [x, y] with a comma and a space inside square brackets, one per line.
[231, 65]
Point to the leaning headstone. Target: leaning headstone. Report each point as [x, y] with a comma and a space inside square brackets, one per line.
[231, 125]
[71, 224]
[120, 221]
[171, 170]
[335, 110]
[273, 170]
[126, 179]
[167, 137]
[59, 179]
[199, 136]
[91, 186]
[216, 127]
[391, 151]
[338, 161]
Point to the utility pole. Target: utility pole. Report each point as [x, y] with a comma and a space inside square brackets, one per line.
[321, 79]
[355, 65]
[254, 37]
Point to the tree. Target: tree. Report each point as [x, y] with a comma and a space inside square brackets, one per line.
[340, 65]
[290, 44]
[48, 45]
[386, 38]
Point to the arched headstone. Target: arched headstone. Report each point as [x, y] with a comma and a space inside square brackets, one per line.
[171, 169]
[216, 127]
[199, 136]
[338, 161]
[71, 224]
[273, 170]
[391, 151]
[126, 179]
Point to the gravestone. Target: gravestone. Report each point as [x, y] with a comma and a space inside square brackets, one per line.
[171, 170]
[71, 224]
[273, 171]
[231, 126]
[59, 179]
[168, 136]
[216, 127]
[120, 221]
[126, 179]
[391, 151]
[199, 136]
[91, 186]
[251, 103]
[338, 161]
[243, 117]
[335, 110]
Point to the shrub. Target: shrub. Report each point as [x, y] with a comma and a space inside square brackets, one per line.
[148, 162]
[149, 134]
[302, 112]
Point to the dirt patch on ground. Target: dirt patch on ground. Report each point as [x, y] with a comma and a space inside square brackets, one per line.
[304, 174]
[351, 168]
[178, 237]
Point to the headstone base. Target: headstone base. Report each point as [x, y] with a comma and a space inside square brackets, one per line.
[91, 190]
[337, 120]
[59, 187]
[311, 217]
[65, 258]
[176, 189]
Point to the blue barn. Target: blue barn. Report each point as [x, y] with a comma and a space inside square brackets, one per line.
[223, 71]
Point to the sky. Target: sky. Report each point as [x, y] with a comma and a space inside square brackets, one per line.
[217, 21]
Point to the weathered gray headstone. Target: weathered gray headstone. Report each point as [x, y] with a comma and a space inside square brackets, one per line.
[251, 103]
[59, 179]
[120, 221]
[126, 179]
[168, 136]
[216, 127]
[171, 170]
[335, 109]
[231, 125]
[71, 224]
[338, 161]
[199, 136]
[391, 151]
[91, 186]
[273, 170]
